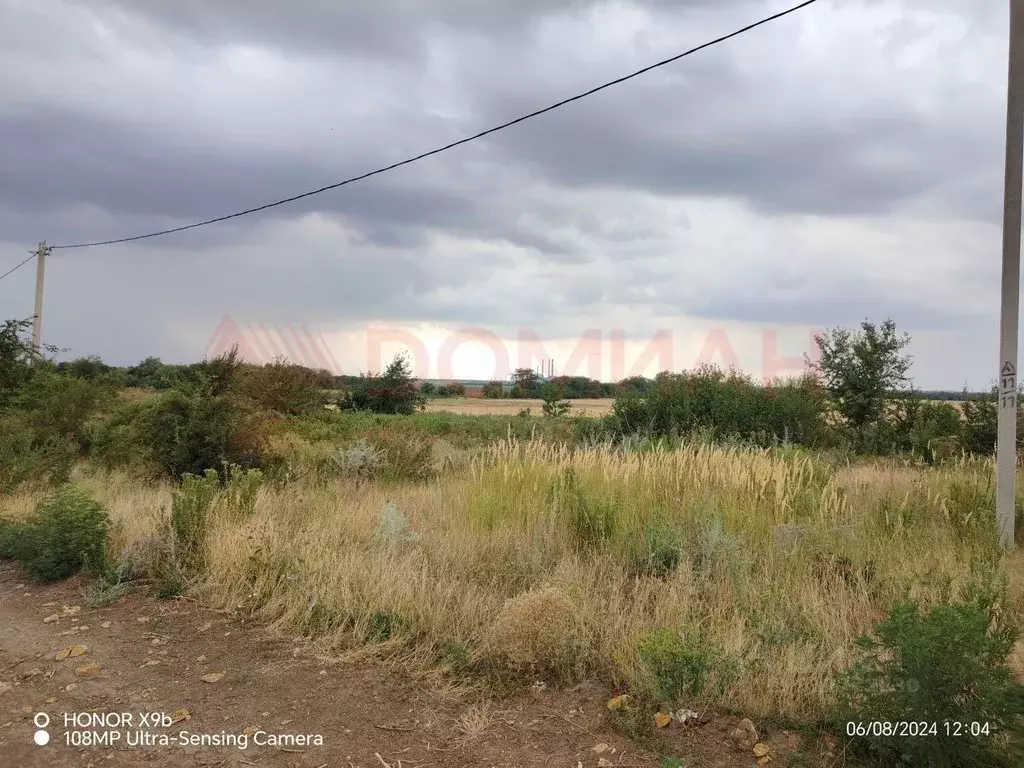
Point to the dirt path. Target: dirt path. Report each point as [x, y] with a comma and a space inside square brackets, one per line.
[152, 657]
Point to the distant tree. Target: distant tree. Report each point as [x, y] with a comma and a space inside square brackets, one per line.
[457, 389]
[554, 405]
[221, 373]
[634, 386]
[16, 356]
[493, 390]
[524, 382]
[577, 387]
[91, 367]
[862, 370]
[395, 391]
[429, 389]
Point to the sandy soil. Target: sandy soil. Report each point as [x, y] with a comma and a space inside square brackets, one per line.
[152, 656]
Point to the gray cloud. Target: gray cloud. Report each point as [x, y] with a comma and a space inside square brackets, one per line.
[785, 177]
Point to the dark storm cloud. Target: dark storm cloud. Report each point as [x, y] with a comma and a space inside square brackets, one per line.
[385, 28]
[52, 159]
[148, 114]
[700, 128]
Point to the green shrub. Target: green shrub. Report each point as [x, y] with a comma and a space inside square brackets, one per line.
[946, 666]
[591, 522]
[675, 669]
[493, 390]
[151, 373]
[195, 431]
[190, 517]
[25, 458]
[554, 406]
[981, 421]
[58, 407]
[183, 430]
[393, 392]
[283, 387]
[722, 406]
[241, 489]
[657, 550]
[66, 533]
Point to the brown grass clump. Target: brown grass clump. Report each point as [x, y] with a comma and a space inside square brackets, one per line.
[539, 631]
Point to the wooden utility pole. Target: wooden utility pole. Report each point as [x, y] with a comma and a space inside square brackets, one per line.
[1009, 319]
[37, 320]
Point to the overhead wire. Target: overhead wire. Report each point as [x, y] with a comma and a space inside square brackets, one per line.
[439, 150]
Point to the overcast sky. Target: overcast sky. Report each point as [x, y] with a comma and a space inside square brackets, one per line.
[842, 163]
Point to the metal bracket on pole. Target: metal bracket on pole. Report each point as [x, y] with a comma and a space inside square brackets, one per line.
[1009, 319]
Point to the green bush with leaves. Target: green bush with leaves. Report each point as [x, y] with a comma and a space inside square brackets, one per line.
[284, 387]
[188, 429]
[25, 458]
[722, 405]
[65, 534]
[151, 373]
[676, 670]
[191, 517]
[57, 406]
[657, 549]
[493, 390]
[393, 392]
[948, 666]
[554, 404]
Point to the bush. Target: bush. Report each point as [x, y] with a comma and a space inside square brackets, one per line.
[58, 407]
[241, 489]
[493, 390]
[404, 456]
[151, 373]
[658, 550]
[190, 518]
[393, 532]
[540, 632]
[554, 406]
[24, 458]
[45, 426]
[361, 461]
[946, 666]
[91, 367]
[283, 387]
[392, 392]
[183, 430]
[723, 406]
[66, 533]
[981, 420]
[674, 669]
[591, 522]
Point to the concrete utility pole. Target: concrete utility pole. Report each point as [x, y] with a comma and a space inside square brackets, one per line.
[37, 320]
[1009, 320]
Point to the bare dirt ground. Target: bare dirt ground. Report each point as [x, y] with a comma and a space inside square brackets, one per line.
[510, 407]
[153, 655]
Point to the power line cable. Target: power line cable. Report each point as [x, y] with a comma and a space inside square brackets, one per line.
[18, 266]
[445, 148]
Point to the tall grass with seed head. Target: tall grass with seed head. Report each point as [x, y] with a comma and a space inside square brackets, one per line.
[757, 569]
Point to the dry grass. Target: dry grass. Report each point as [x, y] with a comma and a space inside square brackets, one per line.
[505, 570]
[510, 407]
